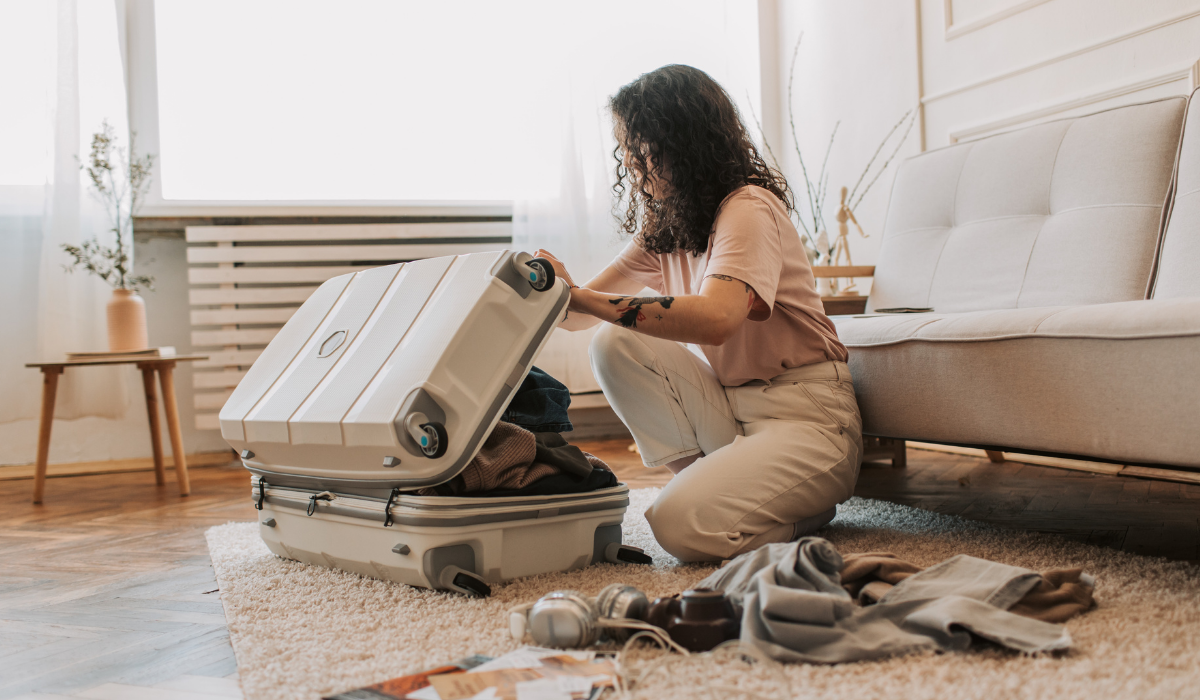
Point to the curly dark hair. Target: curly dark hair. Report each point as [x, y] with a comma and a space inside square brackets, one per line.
[676, 125]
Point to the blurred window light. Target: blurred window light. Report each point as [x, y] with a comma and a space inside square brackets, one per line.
[32, 82]
[371, 100]
[27, 40]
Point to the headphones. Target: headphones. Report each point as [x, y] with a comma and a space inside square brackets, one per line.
[568, 619]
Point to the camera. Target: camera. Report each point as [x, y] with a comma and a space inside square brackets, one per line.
[695, 620]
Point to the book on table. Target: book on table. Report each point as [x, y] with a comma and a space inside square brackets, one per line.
[147, 354]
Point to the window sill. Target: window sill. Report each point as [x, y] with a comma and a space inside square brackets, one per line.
[183, 209]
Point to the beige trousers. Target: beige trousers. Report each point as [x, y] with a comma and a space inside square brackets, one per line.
[774, 453]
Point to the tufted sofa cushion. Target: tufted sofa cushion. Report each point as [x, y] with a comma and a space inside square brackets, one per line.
[1062, 213]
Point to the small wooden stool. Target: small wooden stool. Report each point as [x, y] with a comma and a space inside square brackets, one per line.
[165, 367]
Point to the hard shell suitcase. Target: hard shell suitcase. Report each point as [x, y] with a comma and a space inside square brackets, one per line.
[386, 381]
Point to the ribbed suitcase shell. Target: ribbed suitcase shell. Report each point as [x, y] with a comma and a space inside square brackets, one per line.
[320, 421]
[430, 539]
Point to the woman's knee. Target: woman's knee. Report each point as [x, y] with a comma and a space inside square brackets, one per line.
[674, 524]
[611, 349]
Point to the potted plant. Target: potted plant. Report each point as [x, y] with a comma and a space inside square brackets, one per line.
[119, 180]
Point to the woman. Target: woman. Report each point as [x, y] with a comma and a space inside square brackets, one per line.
[765, 438]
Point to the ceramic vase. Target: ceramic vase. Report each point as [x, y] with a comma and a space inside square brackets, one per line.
[126, 321]
[827, 286]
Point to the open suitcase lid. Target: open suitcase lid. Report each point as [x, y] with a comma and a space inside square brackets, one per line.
[393, 377]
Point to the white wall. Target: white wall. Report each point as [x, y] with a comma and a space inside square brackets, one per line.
[993, 65]
[984, 66]
[857, 64]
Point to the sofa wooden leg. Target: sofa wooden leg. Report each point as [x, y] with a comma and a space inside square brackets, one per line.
[995, 455]
[878, 449]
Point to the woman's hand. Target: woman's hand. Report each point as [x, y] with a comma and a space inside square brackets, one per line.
[560, 270]
[609, 280]
[708, 318]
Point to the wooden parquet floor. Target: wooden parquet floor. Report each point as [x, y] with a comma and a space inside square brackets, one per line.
[107, 587]
[106, 590]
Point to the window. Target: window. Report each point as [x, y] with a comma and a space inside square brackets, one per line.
[409, 101]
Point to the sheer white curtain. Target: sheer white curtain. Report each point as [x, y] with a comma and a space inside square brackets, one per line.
[574, 223]
[601, 47]
[69, 82]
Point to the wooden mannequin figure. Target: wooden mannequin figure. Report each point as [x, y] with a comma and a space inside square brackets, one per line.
[842, 245]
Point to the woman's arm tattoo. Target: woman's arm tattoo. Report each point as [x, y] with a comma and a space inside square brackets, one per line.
[632, 311]
[727, 278]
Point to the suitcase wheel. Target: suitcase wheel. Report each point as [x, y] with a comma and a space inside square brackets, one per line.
[472, 583]
[542, 277]
[618, 553]
[434, 440]
[462, 581]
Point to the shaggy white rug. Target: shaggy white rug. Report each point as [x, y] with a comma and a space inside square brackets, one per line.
[301, 631]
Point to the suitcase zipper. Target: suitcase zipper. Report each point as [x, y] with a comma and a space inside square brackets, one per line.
[307, 500]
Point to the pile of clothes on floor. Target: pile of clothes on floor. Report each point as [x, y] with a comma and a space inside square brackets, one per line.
[525, 454]
[803, 601]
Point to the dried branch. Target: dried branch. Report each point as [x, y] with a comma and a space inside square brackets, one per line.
[854, 190]
[792, 122]
[887, 162]
[120, 181]
[817, 192]
[774, 161]
[823, 184]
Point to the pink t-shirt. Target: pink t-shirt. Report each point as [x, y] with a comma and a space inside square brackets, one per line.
[753, 241]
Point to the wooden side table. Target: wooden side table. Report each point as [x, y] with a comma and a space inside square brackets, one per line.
[844, 304]
[165, 367]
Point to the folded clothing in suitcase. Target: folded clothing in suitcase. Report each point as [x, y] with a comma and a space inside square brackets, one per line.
[386, 381]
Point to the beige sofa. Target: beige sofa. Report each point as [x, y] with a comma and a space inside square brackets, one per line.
[1062, 263]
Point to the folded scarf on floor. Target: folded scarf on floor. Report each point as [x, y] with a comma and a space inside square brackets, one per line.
[513, 458]
[797, 606]
[1059, 595]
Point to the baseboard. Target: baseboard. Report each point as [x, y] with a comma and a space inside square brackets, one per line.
[114, 466]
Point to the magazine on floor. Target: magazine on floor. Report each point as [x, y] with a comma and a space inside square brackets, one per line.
[528, 673]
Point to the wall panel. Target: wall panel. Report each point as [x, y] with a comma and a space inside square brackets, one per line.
[1041, 60]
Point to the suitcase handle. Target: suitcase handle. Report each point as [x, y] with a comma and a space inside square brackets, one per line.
[312, 500]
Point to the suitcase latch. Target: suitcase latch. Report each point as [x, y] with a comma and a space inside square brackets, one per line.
[312, 500]
[387, 509]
